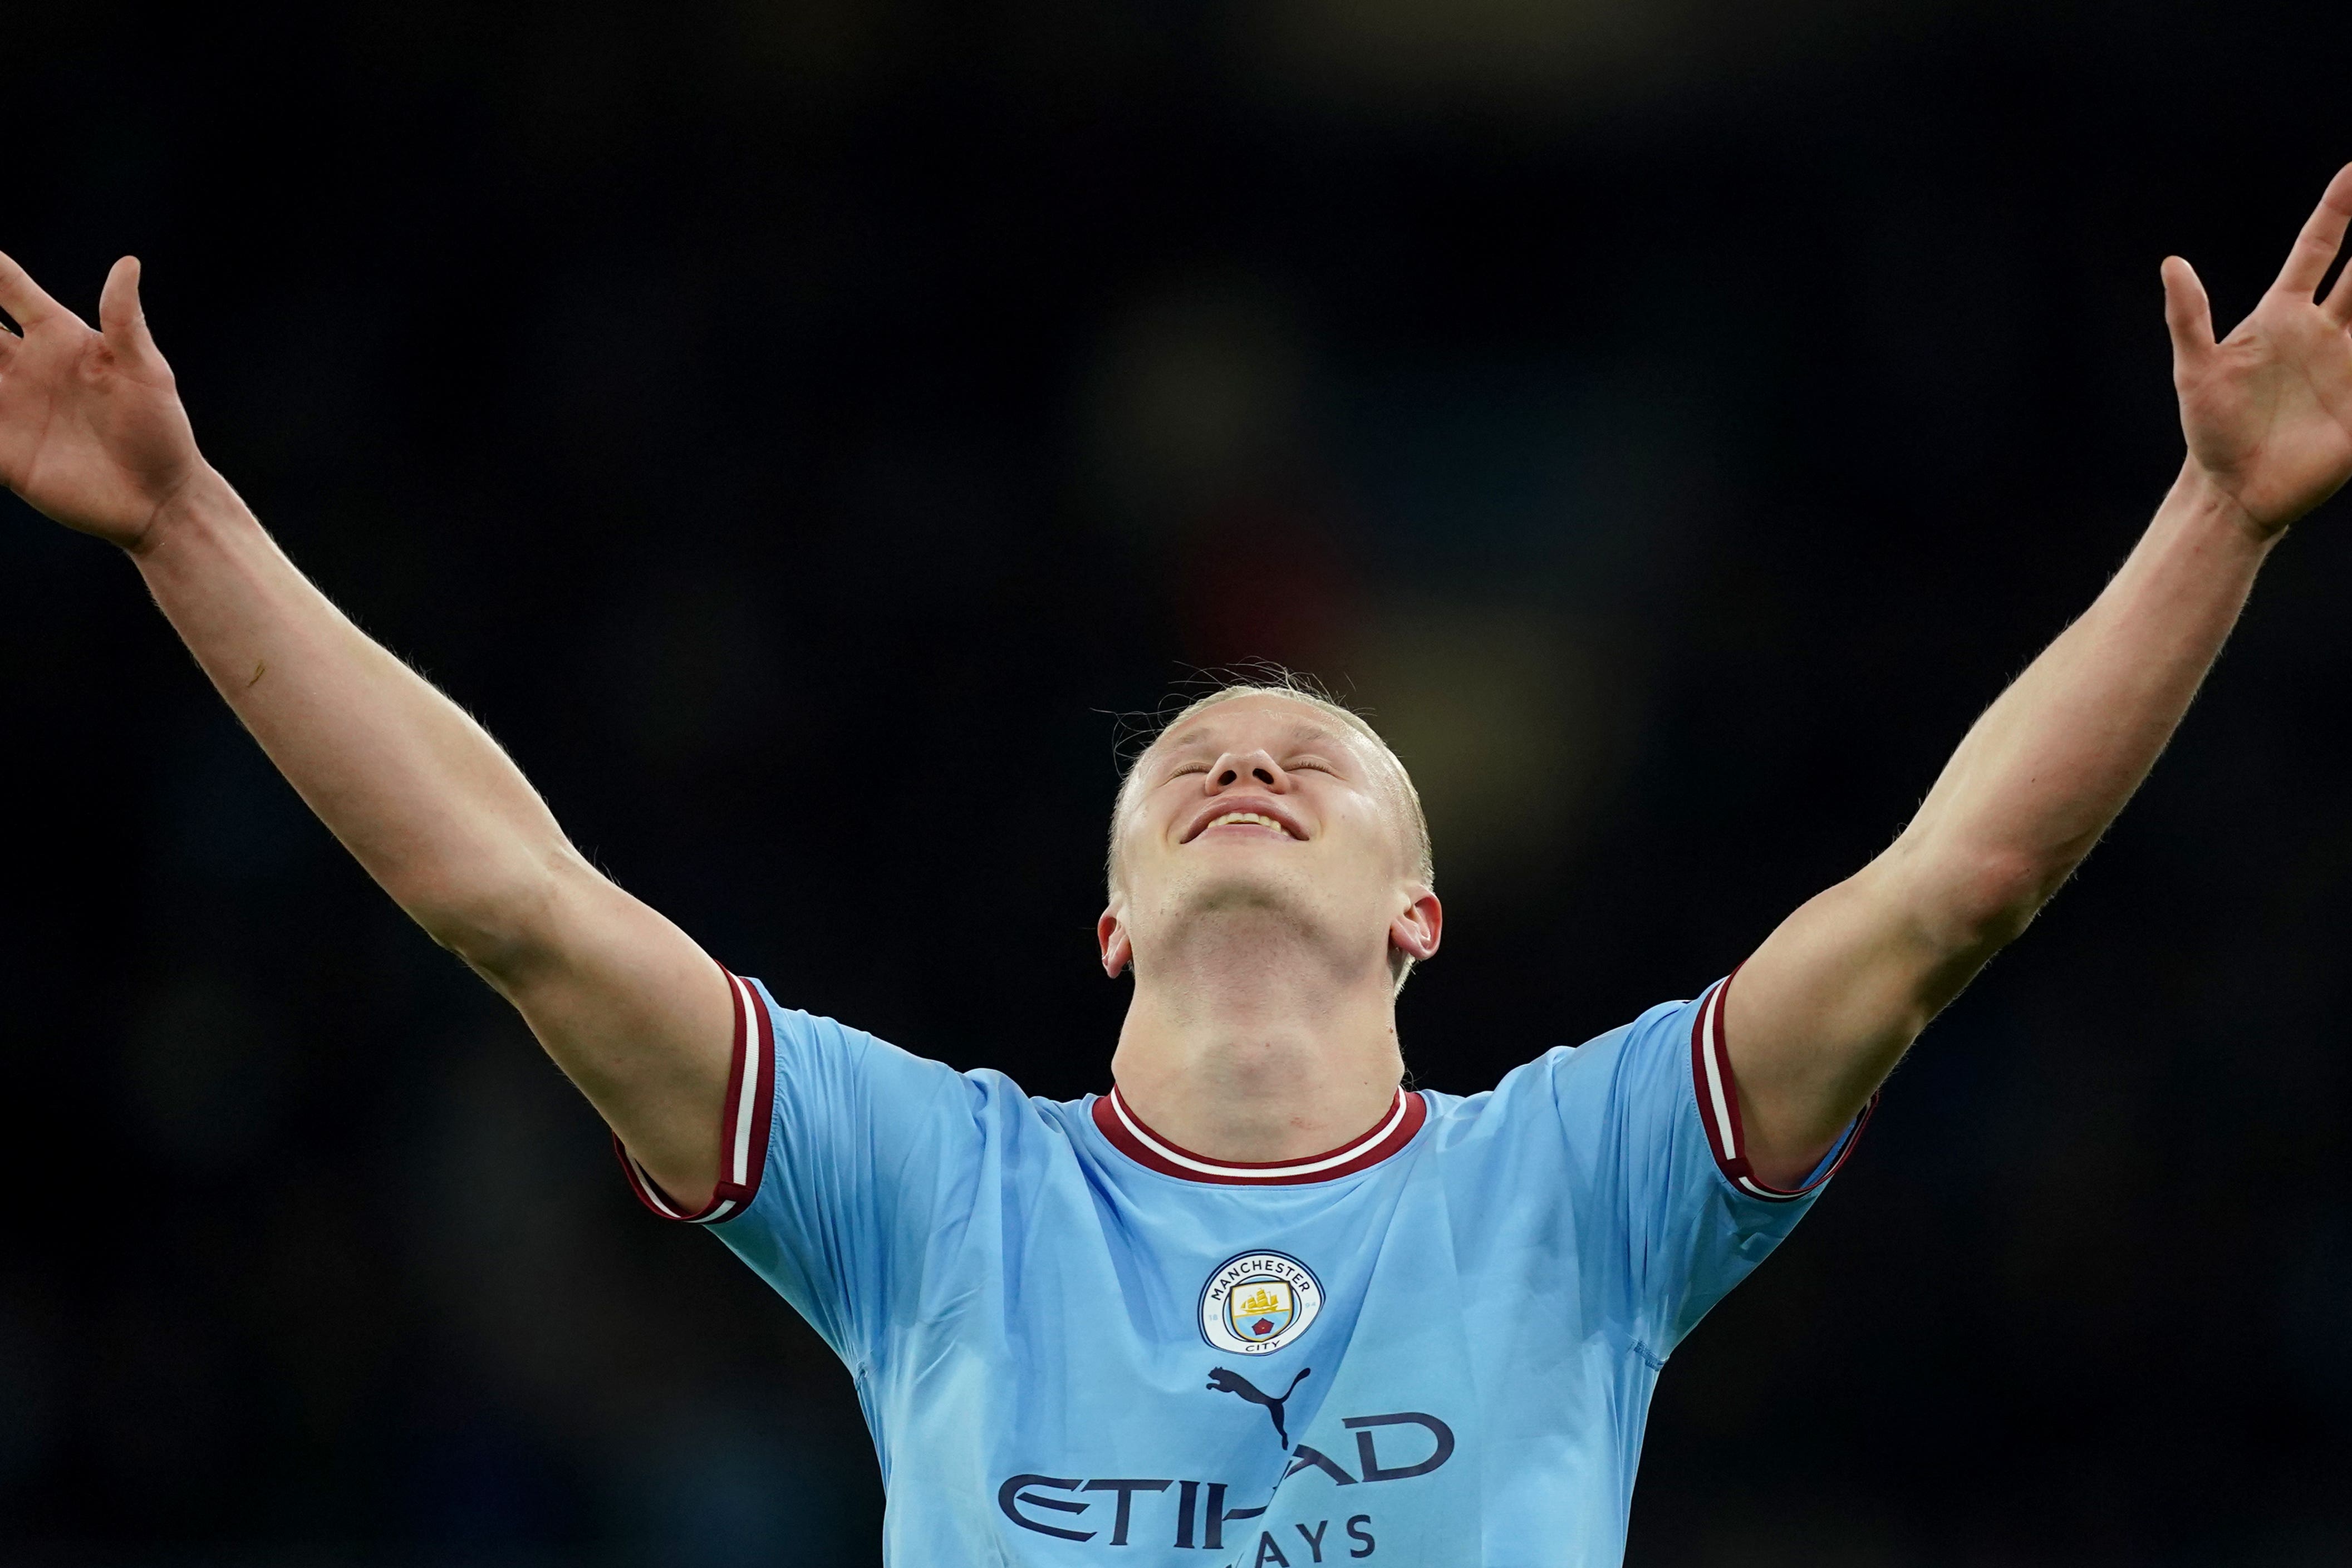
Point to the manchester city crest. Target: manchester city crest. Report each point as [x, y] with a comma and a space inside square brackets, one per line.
[1258, 1302]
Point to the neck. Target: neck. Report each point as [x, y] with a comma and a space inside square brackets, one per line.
[1247, 1046]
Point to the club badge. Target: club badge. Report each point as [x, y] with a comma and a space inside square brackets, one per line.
[1258, 1302]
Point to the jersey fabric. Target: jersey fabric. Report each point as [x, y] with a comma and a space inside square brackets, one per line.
[1078, 1345]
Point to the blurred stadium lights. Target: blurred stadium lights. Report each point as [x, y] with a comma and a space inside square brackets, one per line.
[1198, 393]
[1551, 59]
[1478, 551]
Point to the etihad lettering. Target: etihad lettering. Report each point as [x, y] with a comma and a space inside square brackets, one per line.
[1308, 1457]
[1014, 1494]
[1373, 1471]
[1127, 1490]
[1384, 1453]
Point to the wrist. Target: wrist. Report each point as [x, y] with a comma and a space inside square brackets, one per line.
[200, 502]
[2205, 504]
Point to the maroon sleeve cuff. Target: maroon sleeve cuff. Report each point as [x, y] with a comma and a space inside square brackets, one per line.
[743, 1132]
[1718, 1108]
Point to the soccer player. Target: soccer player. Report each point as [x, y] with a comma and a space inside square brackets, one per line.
[1256, 1304]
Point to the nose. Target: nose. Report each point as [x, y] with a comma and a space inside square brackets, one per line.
[1244, 769]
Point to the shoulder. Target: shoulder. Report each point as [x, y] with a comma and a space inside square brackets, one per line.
[1563, 1112]
[1659, 1036]
[822, 1061]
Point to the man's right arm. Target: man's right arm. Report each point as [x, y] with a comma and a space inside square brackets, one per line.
[92, 433]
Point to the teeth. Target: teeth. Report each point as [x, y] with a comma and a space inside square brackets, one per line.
[1251, 818]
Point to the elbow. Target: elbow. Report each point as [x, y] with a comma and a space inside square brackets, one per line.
[1985, 900]
[496, 924]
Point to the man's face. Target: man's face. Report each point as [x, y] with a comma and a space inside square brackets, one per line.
[1264, 808]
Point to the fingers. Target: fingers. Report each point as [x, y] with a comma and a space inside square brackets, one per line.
[2315, 248]
[2338, 303]
[22, 297]
[119, 316]
[2188, 314]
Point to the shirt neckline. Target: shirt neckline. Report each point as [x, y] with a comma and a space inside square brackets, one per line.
[1126, 1132]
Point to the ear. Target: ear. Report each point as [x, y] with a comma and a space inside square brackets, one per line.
[1111, 937]
[1417, 928]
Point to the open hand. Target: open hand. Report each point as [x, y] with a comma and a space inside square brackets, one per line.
[2268, 410]
[92, 430]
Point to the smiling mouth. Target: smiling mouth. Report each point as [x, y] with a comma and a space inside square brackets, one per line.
[1245, 819]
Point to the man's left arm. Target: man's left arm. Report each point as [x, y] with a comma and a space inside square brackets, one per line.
[1827, 1006]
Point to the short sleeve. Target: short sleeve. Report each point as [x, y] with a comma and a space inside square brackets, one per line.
[844, 1159]
[1668, 1188]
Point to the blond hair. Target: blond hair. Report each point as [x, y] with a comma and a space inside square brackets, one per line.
[1306, 690]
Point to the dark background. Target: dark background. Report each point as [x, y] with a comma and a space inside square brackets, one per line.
[796, 428]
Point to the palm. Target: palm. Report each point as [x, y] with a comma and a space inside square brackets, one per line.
[92, 430]
[2267, 411]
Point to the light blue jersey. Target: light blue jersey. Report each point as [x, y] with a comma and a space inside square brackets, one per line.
[1078, 1345]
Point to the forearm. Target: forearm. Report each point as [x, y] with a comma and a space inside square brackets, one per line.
[2046, 770]
[1830, 1002]
[415, 790]
[1836, 995]
[92, 433]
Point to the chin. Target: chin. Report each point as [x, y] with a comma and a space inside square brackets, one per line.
[1252, 921]
[1243, 891]
[1264, 909]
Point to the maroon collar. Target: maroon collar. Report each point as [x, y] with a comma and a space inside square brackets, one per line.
[1127, 1134]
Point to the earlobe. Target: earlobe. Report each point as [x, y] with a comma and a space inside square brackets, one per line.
[1111, 937]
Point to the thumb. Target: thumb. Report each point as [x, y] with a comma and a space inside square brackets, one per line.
[2187, 314]
[119, 316]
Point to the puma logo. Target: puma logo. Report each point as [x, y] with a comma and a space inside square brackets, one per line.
[1225, 1382]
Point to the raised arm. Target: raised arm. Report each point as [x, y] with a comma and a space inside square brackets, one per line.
[1823, 1011]
[92, 434]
